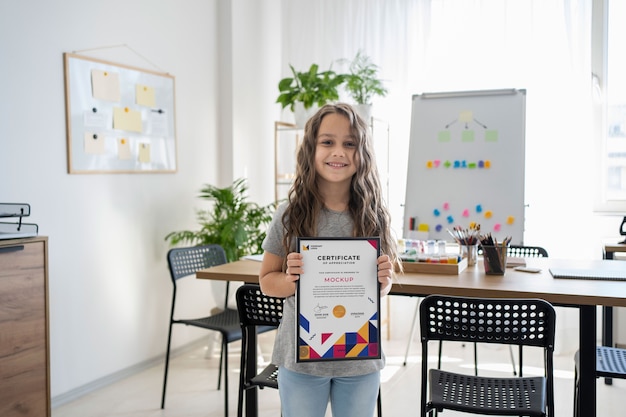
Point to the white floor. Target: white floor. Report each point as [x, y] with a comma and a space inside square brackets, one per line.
[193, 381]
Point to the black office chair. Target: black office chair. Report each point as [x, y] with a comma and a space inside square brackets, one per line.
[610, 363]
[528, 322]
[182, 263]
[255, 309]
[518, 251]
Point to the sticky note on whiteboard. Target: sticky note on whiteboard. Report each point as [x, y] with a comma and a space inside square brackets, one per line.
[126, 119]
[105, 85]
[466, 116]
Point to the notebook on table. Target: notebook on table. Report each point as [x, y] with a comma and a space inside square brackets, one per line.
[592, 274]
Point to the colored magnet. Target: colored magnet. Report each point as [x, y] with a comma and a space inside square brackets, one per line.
[479, 208]
[446, 206]
[497, 227]
[488, 214]
[510, 220]
[481, 164]
[487, 164]
[447, 164]
[422, 227]
[437, 162]
[429, 164]
[457, 164]
[450, 219]
[438, 228]
[436, 212]
[466, 213]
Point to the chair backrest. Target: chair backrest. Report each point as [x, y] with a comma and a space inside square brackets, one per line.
[187, 261]
[256, 308]
[528, 322]
[527, 251]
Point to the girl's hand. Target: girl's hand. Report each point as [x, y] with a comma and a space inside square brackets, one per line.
[385, 273]
[294, 266]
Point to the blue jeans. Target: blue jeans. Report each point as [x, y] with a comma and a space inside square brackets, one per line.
[303, 395]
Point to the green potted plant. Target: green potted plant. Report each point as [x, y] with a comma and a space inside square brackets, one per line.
[362, 83]
[233, 222]
[308, 90]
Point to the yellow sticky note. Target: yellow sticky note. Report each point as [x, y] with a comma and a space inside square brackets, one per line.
[144, 95]
[94, 143]
[144, 153]
[466, 116]
[126, 119]
[105, 85]
[123, 148]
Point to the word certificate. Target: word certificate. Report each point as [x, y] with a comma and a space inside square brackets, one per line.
[338, 299]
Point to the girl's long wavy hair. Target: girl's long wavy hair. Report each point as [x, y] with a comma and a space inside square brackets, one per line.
[370, 216]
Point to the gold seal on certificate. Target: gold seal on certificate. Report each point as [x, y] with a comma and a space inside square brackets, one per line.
[338, 299]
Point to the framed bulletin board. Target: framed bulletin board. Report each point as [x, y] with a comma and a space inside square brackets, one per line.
[119, 119]
[466, 163]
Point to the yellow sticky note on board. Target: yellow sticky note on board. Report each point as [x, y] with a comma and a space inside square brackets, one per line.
[144, 153]
[466, 116]
[145, 96]
[125, 118]
[105, 85]
[123, 148]
[94, 143]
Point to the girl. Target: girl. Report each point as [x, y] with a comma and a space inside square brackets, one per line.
[336, 193]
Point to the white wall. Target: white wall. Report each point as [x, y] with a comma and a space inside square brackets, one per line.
[109, 288]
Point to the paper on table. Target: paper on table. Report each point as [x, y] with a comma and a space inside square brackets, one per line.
[257, 257]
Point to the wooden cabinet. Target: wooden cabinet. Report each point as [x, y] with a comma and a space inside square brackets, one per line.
[24, 352]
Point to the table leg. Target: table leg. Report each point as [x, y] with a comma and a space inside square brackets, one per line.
[607, 333]
[607, 322]
[587, 343]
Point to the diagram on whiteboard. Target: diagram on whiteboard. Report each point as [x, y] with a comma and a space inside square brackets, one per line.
[466, 163]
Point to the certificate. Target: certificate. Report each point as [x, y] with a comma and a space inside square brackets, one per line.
[338, 299]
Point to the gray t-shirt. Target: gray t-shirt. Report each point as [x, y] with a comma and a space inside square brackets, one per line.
[331, 224]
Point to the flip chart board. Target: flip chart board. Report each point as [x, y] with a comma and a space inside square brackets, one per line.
[466, 164]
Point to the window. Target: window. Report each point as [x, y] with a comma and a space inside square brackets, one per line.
[610, 66]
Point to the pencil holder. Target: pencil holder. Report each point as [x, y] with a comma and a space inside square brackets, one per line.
[494, 258]
[470, 252]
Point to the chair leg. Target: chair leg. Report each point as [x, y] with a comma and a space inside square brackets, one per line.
[408, 346]
[439, 355]
[475, 359]
[379, 404]
[512, 359]
[225, 355]
[219, 373]
[167, 364]
[521, 362]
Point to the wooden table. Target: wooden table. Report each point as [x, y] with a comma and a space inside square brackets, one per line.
[585, 295]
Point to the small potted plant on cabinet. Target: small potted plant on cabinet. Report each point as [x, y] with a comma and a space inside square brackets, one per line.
[305, 91]
[234, 223]
[362, 83]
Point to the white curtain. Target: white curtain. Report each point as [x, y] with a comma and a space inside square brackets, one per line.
[542, 46]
